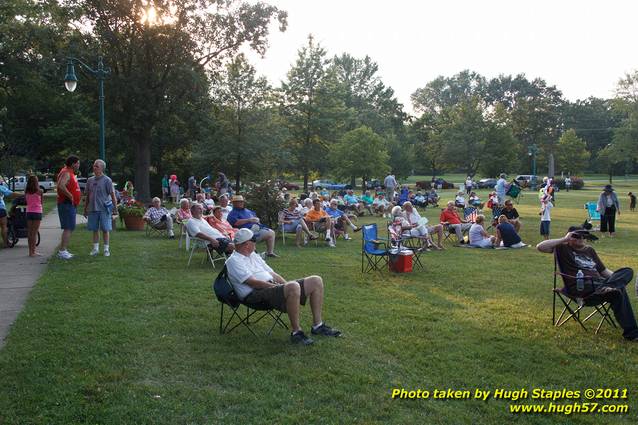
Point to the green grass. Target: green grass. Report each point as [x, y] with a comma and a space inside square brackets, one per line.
[133, 338]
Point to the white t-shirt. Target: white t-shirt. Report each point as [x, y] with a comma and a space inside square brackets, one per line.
[413, 217]
[225, 210]
[380, 202]
[547, 212]
[241, 268]
[476, 233]
[195, 226]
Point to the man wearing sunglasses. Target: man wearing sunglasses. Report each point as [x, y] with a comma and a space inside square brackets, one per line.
[573, 254]
[255, 282]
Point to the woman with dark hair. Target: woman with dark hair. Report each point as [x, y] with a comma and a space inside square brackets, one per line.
[33, 196]
[608, 206]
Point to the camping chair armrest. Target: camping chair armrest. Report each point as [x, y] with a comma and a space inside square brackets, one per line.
[376, 242]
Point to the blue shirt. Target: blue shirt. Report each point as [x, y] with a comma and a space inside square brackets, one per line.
[4, 191]
[350, 199]
[508, 234]
[500, 187]
[241, 214]
[336, 213]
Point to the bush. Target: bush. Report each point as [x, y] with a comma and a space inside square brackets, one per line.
[577, 183]
[263, 198]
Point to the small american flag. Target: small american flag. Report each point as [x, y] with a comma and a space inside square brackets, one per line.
[470, 214]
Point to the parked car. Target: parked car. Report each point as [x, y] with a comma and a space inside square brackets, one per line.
[19, 183]
[427, 184]
[375, 183]
[329, 185]
[523, 180]
[281, 184]
[486, 183]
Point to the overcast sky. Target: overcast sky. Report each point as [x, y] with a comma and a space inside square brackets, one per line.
[583, 47]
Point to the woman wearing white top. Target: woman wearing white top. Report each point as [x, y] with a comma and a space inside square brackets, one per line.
[417, 227]
[478, 236]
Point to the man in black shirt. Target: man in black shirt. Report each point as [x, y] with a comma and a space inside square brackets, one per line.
[512, 215]
[602, 284]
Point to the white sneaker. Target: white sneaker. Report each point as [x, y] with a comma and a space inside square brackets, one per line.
[332, 244]
[107, 253]
[94, 252]
[347, 237]
[64, 255]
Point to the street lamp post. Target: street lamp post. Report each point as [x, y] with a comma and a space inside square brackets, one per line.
[532, 150]
[71, 81]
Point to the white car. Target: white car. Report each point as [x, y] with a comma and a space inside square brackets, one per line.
[19, 183]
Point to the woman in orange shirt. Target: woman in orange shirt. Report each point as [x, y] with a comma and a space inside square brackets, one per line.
[217, 221]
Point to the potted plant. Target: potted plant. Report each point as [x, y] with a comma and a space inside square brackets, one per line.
[132, 213]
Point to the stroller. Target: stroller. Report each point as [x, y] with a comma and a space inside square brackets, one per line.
[17, 222]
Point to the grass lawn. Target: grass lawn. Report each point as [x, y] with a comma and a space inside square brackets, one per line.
[133, 338]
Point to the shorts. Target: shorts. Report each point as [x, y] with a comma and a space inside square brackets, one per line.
[66, 213]
[34, 216]
[545, 228]
[292, 227]
[3, 213]
[483, 243]
[262, 233]
[99, 220]
[273, 297]
[223, 245]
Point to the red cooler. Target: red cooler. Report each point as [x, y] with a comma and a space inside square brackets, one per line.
[401, 262]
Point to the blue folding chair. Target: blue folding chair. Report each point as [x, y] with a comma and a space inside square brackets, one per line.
[371, 250]
[593, 215]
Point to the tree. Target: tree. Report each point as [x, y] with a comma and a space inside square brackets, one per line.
[443, 92]
[464, 136]
[159, 55]
[360, 152]
[311, 109]
[572, 155]
[241, 95]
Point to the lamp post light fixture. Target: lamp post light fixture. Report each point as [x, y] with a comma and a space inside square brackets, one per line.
[100, 74]
[532, 150]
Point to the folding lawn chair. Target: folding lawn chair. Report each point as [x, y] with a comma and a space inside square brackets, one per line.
[151, 230]
[573, 305]
[210, 254]
[226, 295]
[592, 214]
[515, 192]
[371, 251]
[398, 241]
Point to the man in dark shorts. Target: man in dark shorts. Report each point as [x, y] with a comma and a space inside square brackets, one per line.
[602, 284]
[255, 282]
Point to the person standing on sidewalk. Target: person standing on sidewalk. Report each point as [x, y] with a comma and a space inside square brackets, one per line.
[99, 207]
[68, 199]
[33, 197]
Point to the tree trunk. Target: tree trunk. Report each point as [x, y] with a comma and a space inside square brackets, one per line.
[353, 182]
[142, 166]
[305, 182]
[238, 173]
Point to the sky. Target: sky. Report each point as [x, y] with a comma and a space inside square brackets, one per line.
[582, 47]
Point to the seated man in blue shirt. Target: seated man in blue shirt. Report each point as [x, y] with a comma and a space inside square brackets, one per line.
[243, 218]
[506, 235]
[340, 219]
[352, 202]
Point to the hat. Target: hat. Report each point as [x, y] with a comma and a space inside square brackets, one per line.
[243, 235]
[237, 198]
[503, 175]
[579, 230]
[608, 188]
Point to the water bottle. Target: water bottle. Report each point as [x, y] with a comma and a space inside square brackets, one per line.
[580, 281]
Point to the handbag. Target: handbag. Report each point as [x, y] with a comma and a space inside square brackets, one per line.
[224, 291]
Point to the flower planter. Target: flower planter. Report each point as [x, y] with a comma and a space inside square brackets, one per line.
[133, 222]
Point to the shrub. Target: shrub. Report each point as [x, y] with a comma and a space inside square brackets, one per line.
[577, 183]
[263, 198]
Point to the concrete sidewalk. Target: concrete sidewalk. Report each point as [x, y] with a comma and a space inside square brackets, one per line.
[19, 272]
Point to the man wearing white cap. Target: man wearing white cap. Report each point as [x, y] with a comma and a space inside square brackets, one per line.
[255, 282]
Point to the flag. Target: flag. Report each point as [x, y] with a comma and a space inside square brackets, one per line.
[470, 214]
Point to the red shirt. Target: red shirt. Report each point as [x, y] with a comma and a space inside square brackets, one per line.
[451, 217]
[72, 186]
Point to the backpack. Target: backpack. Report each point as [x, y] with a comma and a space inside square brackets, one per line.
[224, 291]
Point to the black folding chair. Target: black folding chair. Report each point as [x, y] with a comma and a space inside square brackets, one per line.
[574, 305]
[226, 295]
[399, 241]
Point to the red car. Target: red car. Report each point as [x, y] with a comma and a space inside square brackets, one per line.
[289, 186]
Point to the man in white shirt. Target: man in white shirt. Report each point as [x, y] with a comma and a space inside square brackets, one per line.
[199, 228]
[381, 206]
[255, 282]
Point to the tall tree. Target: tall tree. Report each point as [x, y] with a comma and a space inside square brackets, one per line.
[160, 52]
[360, 152]
[311, 109]
[572, 156]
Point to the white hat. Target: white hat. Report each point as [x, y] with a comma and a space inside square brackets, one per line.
[242, 236]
